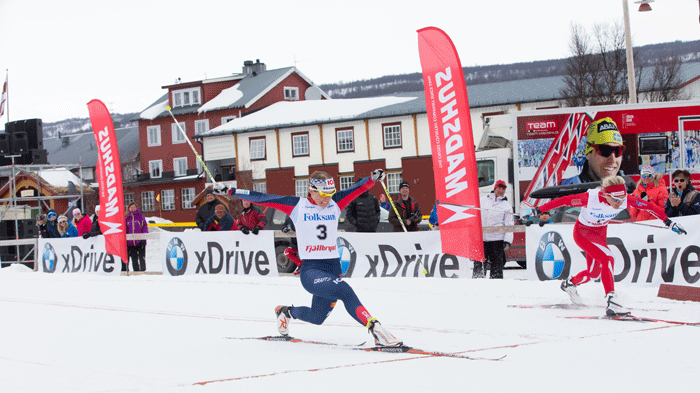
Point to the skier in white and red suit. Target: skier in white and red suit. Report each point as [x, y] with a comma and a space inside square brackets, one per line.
[316, 219]
[598, 207]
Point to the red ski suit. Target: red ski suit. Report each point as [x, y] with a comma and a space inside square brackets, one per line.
[591, 228]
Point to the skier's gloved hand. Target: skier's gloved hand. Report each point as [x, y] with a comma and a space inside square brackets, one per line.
[377, 175]
[675, 227]
[245, 230]
[86, 235]
[256, 229]
[286, 228]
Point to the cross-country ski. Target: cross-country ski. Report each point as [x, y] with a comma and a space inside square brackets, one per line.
[361, 347]
[634, 318]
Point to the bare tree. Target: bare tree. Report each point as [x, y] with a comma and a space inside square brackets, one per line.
[610, 65]
[597, 70]
[666, 80]
[578, 69]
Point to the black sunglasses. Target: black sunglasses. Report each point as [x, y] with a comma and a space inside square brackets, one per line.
[606, 151]
[680, 180]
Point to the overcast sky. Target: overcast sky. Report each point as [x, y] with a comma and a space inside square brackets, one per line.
[62, 54]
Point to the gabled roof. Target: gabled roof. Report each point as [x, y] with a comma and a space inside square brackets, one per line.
[80, 148]
[244, 94]
[302, 113]
[295, 113]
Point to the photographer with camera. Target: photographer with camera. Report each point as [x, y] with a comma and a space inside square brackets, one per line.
[408, 210]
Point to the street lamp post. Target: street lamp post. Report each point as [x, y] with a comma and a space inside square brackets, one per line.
[632, 85]
[630, 60]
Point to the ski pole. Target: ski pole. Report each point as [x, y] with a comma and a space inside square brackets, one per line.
[476, 208]
[638, 223]
[190, 143]
[391, 201]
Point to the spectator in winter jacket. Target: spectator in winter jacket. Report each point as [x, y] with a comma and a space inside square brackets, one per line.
[136, 249]
[52, 224]
[221, 220]
[650, 188]
[684, 200]
[409, 211]
[363, 212]
[433, 220]
[41, 221]
[81, 221]
[95, 230]
[207, 209]
[495, 211]
[66, 228]
[251, 219]
[384, 203]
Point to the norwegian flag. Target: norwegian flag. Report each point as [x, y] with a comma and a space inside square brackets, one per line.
[3, 100]
[558, 156]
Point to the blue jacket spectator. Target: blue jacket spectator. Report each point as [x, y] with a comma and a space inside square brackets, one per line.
[66, 228]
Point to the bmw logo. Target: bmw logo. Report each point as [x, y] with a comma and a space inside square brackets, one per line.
[347, 256]
[552, 260]
[176, 257]
[49, 259]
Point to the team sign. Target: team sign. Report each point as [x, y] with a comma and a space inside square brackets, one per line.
[398, 255]
[643, 254]
[77, 255]
[227, 252]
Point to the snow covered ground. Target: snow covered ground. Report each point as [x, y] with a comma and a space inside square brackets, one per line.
[151, 333]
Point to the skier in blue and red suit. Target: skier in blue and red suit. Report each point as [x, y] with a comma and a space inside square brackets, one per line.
[316, 222]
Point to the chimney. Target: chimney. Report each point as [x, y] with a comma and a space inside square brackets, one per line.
[250, 68]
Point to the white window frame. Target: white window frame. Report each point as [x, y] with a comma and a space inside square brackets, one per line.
[345, 140]
[187, 97]
[128, 198]
[346, 181]
[227, 119]
[153, 133]
[167, 200]
[291, 93]
[301, 187]
[155, 169]
[393, 179]
[257, 147]
[201, 126]
[187, 197]
[178, 166]
[177, 136]
[392, 135]
[148, 201]
[300, 144]
[260, 186]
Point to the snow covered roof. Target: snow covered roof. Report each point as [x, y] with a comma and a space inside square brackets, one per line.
[291, 113]
[59, 177]
[243, 94]
[80, 148]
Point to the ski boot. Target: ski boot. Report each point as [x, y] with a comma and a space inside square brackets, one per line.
[382, 337]
[283, 318]
[614, 308]
[569, 287]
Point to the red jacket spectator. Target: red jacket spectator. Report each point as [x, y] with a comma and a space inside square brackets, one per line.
[653, 191]
[82, 222]
[251, 219]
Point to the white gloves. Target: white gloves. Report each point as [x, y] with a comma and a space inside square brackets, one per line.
[377, 175]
